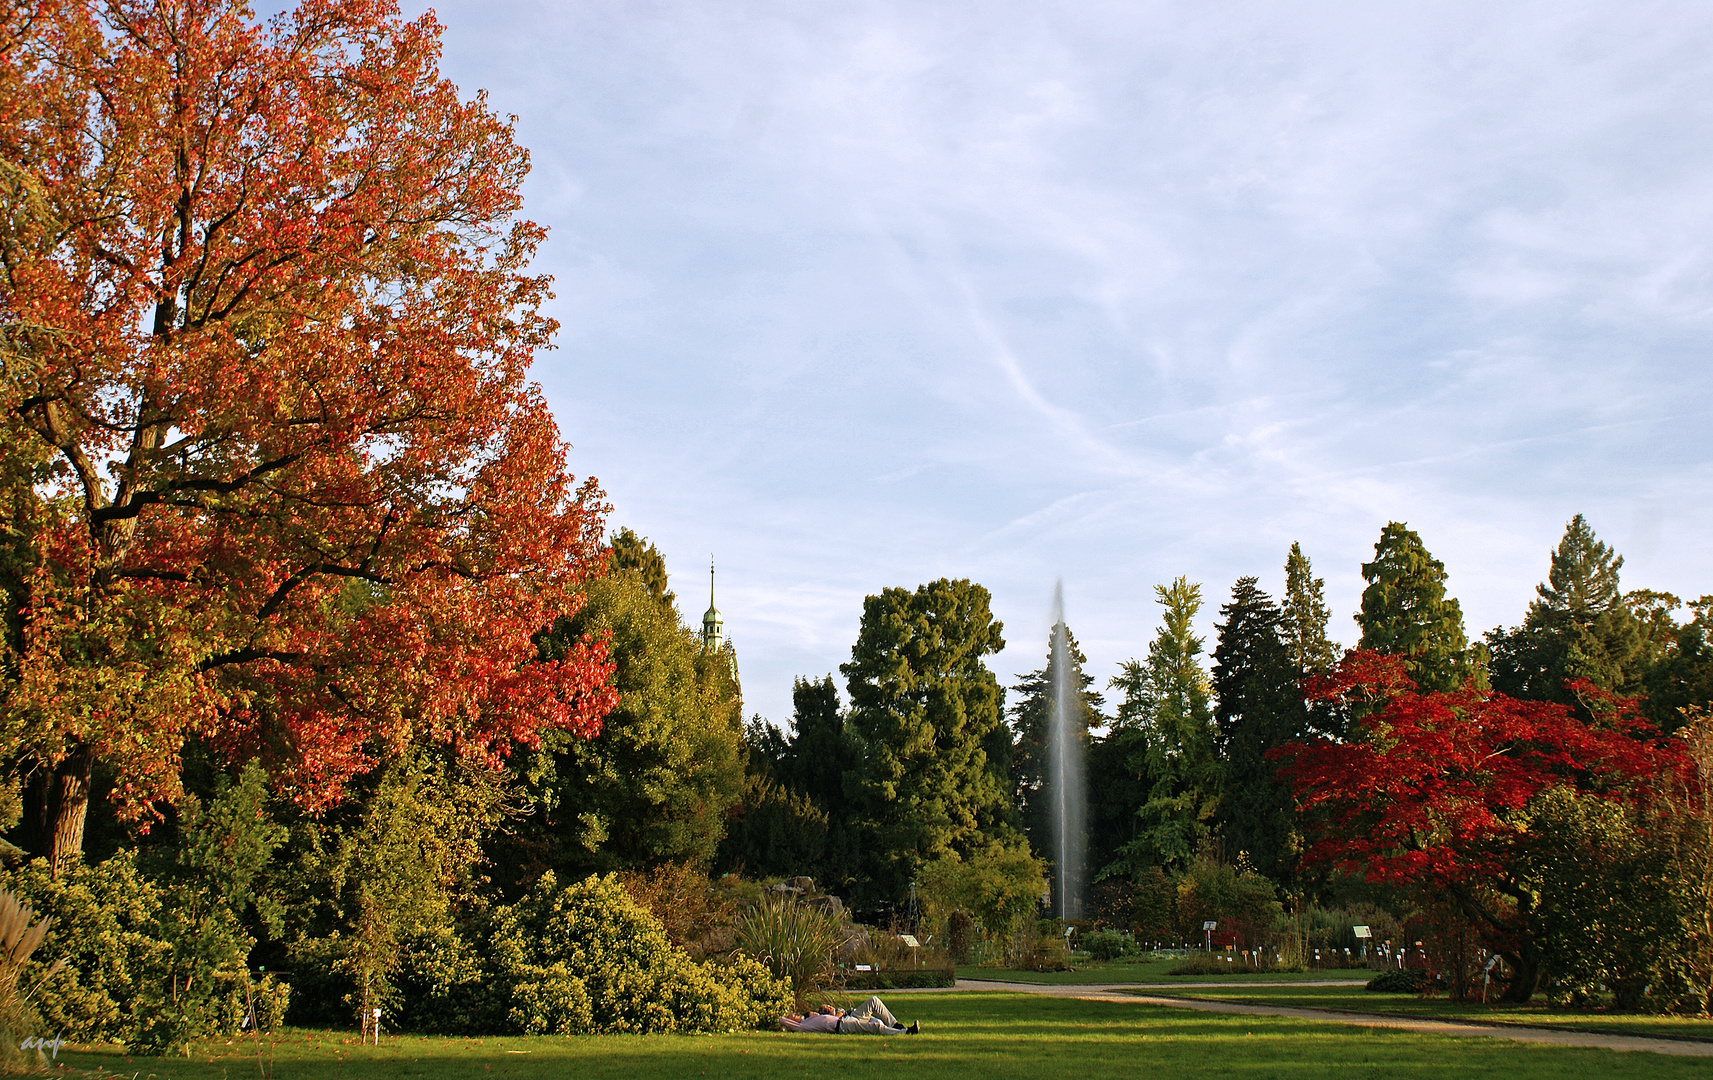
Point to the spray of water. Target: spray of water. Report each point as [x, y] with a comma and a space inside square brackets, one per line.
[1065, 745]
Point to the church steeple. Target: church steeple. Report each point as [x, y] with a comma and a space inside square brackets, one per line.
[713, 629]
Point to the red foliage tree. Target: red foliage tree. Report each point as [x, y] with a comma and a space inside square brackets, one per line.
[1432, 790]
[266, 324]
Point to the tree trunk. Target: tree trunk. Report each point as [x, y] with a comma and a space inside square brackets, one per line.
[66, 810]
[1527, 967]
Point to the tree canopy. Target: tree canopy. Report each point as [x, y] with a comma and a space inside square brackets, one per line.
[1438, 790]
[930, 713]
[1167, 704]
[268, 317]
[1304, 616]
[655, 784]
[1259, 706]
[1405, 612]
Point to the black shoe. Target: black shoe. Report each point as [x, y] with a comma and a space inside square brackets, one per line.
[914, 1029]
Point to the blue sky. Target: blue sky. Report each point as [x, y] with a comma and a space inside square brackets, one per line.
[867, 294]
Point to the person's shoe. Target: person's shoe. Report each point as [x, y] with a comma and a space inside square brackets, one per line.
[914, 1029]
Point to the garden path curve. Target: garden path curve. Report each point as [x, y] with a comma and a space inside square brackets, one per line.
[1553, 1036]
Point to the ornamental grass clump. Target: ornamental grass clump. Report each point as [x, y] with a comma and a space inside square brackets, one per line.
[20, 934]
[795, 941]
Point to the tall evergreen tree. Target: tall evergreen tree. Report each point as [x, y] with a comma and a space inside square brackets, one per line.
[821, 751]
[1406, 613]
[1259, 706]
[927, 709]
[1581, 626]
[1582, 582]
[1303, 620]
[1166, 702]
[1031, 709]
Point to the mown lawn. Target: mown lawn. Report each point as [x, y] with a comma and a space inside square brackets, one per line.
[981, 1035]
[1356, 999]
[1094, 972]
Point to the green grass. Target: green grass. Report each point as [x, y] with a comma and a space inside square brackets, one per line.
[1356, 999]
[982, 1036]
[1147, 971]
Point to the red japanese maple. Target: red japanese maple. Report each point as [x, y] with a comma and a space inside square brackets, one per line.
[1431, 790]
[267, 321]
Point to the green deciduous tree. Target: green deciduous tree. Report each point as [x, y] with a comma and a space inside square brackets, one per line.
[930, 715]
[1000, 888]
[1405, 613]
[656, 784]
[1166, 701]
[1259, 706]
[1679, 668]
[386, 875]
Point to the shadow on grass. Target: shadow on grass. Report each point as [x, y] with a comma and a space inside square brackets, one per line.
[978, 1036]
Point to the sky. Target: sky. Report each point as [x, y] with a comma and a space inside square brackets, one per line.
[869, 294]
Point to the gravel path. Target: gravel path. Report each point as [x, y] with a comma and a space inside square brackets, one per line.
[1552, 1036]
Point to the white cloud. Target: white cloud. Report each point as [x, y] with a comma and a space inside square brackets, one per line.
[863, 295]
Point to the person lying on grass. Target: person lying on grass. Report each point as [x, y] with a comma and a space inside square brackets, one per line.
[870, 1018]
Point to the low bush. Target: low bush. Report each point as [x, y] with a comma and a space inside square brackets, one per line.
[1108, 944]
[696, 913]
[1226, 963]
[587, 959]
[921, 978]
[1402, 981]
[155, 953]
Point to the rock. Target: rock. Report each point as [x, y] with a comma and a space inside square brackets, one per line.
[802, 884]
[832, 905]
[854, 947]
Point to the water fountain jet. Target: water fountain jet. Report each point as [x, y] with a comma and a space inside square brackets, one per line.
[1066, 739]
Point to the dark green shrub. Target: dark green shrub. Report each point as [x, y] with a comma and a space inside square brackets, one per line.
[157, 956]
[919, 978]
[1403, 981]
[1107, 944]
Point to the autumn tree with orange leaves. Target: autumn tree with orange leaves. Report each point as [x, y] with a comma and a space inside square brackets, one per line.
[275, 478]
[1437, 792]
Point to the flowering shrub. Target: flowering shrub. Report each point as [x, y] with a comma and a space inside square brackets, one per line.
[586, 958]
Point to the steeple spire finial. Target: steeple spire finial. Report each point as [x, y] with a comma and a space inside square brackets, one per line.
[713, 627]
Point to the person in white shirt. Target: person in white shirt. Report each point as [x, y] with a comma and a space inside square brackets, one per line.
[872, 1017]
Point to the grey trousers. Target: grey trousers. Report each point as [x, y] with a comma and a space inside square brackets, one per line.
[870, 1018]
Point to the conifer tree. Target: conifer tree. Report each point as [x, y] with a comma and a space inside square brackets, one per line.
[628, 551]
[821, 752]
[1166, 701]
[1405, 613]
[1260, 706]
[1581, 627]
[1031, 712]
[1303, 620]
